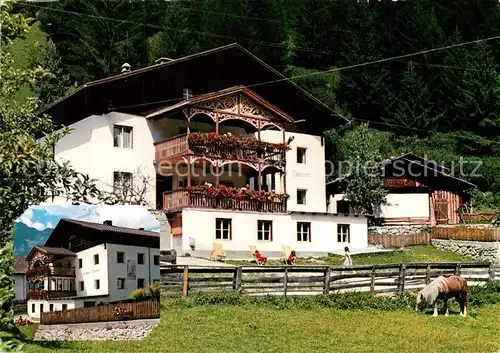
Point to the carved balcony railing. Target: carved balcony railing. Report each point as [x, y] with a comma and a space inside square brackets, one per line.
[180, 145]
[46, 294]
[42, 271]
[179, 199]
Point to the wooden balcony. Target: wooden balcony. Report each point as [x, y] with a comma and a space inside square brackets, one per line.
[45, 294]
[174, 148]
[179, 199]
[43, 271]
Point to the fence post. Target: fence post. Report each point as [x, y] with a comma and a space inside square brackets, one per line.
[185, 281]
[458, 269]
[238, 274]
[491, 272]
[326, 285]
[372, 280]
[428, 275]
[402, 277]
[285, 282]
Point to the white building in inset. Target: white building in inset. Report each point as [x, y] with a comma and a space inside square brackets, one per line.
[84, 264]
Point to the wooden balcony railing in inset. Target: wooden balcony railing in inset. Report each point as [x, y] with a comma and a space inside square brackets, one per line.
[178, 199]
[172, 147]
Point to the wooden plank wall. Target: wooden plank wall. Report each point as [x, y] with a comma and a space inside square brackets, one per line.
[111, 312]
[453, 200]
[396, 241]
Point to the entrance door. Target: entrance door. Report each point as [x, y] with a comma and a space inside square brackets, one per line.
[441, 211]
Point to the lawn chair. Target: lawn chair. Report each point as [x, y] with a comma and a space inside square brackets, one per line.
[257, 256]
[286, 253]
[218, 253]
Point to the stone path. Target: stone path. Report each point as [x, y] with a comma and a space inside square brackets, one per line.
[109, 331]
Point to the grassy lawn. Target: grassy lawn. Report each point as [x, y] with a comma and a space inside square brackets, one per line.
[424, 253]
[250, 328]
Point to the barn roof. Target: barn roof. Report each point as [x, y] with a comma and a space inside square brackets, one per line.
[148, 88]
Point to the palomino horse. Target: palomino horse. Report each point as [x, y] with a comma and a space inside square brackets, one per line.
[444, 287]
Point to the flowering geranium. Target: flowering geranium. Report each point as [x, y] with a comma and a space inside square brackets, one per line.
[237, 193]
[241, 141]
[39, 270]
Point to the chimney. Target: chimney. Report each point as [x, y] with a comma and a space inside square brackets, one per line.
[187, 93]
[162, 60]
[126, 68]
[108, 223]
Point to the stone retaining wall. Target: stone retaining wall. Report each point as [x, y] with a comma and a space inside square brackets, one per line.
[397, 229]
[483, 251]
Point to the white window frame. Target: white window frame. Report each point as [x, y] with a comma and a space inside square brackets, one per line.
[121, 181]
[118, 133]
[304, 231]
[124, 260]
[264, 234]
[120, 281]
[344, 233]
[97, 284]
[221, 225]
[304, 198]
[143, 259]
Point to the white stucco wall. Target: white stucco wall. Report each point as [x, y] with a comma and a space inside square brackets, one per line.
[244, 231]
[414, 205]
[149, 272]
[90, 272]
[89, 148]
[20, 287]
[309, 175]
[71, 304]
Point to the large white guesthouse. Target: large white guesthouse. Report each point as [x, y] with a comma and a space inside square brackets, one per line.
[84, 264]
[234, 152]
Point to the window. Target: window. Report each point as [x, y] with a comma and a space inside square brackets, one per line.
[120, 257]
[65, 306]
[51, 307]
[301, 155]
[301, 197]
[120, 283]
[140, 283]
[343, 207]
[303, 231]
[265, 230]
[80, 263]
[32, 308]
[41, 308]
[343, 233]
[97, 284]
[122, 136]
[140, 259]
[122, 183]
[96, 259]
[223, 229]
[82, 287]
[156, 260]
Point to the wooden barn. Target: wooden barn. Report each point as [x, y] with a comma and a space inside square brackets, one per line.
[419, 192]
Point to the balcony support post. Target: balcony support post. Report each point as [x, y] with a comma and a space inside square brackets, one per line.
[217, 168]
[189, 170]
[259, 179]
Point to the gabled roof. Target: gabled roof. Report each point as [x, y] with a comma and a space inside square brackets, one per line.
[20, 265]
[225, 92]
[213, 70]
[47, 250]
[99, 233]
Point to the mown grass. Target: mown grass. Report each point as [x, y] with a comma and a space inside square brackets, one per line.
[423, 253]
[233, 323]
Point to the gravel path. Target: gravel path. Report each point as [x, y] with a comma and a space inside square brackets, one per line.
[109, 331]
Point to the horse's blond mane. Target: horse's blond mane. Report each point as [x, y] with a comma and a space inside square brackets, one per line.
[431, 291]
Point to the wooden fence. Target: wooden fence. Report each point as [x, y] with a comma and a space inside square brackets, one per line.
[111, 312]
[486, 217]
[314, 280]
[451, 233]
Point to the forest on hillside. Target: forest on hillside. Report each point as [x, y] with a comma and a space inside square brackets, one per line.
[441, 104]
